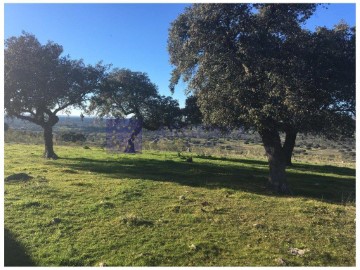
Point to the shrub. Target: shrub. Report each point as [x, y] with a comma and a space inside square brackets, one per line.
[73, 137]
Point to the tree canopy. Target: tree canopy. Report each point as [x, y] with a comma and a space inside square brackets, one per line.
[191, 111]
[40, 82]
[254, 66]
[125, 93]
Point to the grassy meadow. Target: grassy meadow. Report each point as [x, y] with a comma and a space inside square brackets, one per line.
[94, 208]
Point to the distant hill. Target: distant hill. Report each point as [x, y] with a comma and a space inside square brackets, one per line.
[88, 124]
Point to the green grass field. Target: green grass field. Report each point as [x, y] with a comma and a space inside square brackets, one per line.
[92, 208]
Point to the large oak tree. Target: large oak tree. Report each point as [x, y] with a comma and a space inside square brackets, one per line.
[40, 82]
[129, 94]
[255, 66]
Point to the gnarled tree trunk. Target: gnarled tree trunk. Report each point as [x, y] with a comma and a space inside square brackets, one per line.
[52, 119]
[289, 144]
[48, 138]
[277, 161]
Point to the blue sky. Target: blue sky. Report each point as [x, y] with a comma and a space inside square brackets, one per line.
[130, 36]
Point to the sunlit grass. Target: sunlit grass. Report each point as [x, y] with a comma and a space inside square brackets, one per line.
[95, 208]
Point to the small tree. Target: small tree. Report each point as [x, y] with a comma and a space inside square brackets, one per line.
[261, 70]
[39, 83]
[192, 111]
[125, 93]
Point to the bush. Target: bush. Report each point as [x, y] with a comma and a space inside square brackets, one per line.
[73, 137]
[6, 127]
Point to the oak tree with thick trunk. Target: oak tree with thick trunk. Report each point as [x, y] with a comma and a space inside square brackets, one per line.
[255, 66]
[40, 82]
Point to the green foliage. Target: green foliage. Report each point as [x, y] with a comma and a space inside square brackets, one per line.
[253, 66]
[93, 208]
[39, 82]
[192, 112]
[128, 93]
[262, 70]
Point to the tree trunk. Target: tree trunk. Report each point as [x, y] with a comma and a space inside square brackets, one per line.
[48, 137]
[130, 147]
[289, 145]
[277, 162]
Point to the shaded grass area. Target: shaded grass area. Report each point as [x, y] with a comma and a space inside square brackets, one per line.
[93, 208]
[14, 252]
[320, 182]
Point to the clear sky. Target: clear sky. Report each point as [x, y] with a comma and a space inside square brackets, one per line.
[130, 36]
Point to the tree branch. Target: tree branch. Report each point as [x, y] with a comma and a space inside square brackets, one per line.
[28, 118]
[64, 106]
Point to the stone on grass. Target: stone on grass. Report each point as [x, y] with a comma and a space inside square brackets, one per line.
[55, 221]
[101, 264]
[280, 261]
[259, 226]
[192, 247]
[133, 220]
[298, 251]
[205, 203]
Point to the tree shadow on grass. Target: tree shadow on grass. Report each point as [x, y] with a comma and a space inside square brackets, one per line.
[14, 252]
[329, 169]
[250, 178]
[326, 169]
[244, 161]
